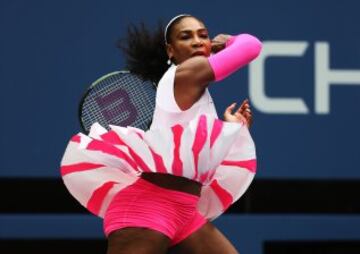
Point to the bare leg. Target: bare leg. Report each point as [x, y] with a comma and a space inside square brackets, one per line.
[137, 241]
[208, 239]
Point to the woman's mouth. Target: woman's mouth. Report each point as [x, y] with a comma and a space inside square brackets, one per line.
[198, 53]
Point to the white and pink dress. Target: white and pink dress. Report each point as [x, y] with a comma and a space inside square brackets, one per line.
[193, 143]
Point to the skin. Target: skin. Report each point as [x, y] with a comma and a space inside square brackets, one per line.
[189, 48]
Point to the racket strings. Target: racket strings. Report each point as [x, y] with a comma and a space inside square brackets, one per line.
[119, 99]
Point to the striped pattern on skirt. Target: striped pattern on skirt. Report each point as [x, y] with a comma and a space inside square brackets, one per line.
[218, 154]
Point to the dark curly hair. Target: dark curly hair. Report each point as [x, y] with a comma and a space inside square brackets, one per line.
[145, 50]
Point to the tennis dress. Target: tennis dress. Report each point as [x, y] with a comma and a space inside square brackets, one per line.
[193, 143]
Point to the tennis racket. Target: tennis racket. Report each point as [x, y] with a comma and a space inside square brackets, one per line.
[118, 98]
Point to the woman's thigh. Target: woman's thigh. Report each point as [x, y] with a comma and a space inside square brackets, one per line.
[208, 239]
[137, 241]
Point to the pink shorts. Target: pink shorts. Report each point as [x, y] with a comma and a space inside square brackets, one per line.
[146, 205]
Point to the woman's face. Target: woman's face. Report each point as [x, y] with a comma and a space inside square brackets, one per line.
[188, 38]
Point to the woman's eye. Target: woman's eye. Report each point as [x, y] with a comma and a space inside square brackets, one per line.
[203, 35]
[184, 36]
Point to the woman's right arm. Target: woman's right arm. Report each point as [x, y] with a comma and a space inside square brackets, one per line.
[193, 75]
[239, 51]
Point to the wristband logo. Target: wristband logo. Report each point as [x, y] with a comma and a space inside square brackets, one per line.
[325, 77]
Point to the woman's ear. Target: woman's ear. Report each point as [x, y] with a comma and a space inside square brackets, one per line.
[169, 51]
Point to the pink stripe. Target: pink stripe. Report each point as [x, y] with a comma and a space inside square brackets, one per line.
[139, 161]
[76, 139]
[159, 163]
[249, 164]
[82, 166]
[207, 175]
[97, 145]
[95, 202]
[224, 196]
[177, 166]
[135, 156]
[112, 138]
[217, 128]
[199, 142]
[204, 176]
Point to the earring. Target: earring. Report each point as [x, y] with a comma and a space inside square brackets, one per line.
[168, 62]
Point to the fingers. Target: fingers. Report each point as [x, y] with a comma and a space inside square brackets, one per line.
[249, 119]
[245, 111]
[217, 46]
[221, 38]
[242, 114]
[230, 108]
[241, 118]
[245, 107]
[246, 101]
[228, 111]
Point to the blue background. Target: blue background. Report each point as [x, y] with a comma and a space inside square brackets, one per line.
[50, 51]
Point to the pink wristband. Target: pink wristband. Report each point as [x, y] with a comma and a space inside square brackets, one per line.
[239, 51]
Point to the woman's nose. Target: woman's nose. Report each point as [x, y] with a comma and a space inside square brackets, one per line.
[197, 41]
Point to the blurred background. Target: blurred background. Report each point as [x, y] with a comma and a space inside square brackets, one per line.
[304, 90]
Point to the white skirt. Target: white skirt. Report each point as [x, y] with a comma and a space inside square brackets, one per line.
[220, 155]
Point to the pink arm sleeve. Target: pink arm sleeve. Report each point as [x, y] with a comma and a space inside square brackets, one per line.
[239, 51]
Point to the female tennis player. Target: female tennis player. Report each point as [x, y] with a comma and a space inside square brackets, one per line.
[158, 190]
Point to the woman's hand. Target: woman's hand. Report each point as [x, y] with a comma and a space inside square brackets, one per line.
[218, 43]
[241, 115]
